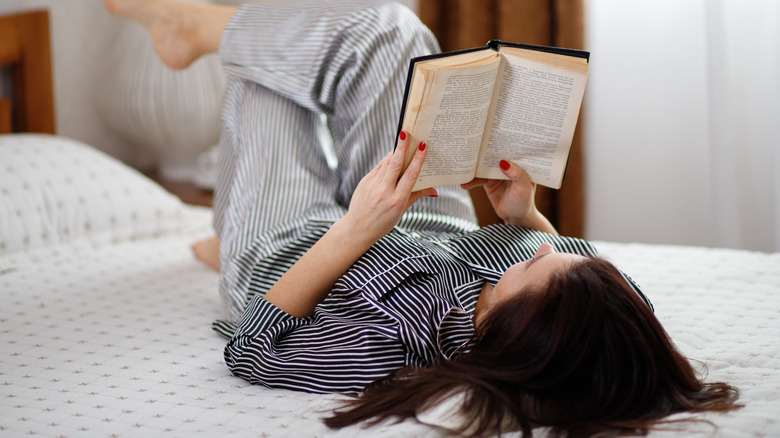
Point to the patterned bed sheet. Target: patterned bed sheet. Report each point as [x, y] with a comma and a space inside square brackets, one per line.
[118, 343]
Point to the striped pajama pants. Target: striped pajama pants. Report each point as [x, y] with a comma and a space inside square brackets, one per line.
[305, 78]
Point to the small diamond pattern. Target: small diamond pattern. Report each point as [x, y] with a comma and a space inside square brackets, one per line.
[118, 343]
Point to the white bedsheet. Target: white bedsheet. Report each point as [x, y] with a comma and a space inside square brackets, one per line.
[117, 342]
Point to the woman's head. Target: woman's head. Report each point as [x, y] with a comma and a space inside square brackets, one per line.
[579, 346]
[530, 274]
[576, 349]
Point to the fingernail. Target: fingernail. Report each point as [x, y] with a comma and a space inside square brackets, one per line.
[435, 195]
[504, 164]
[422, 145]
[402, 135]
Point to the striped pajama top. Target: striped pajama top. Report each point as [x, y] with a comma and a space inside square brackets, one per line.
[408, 301]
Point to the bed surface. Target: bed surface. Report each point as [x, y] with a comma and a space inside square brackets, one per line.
[118, 343]
[107, 332]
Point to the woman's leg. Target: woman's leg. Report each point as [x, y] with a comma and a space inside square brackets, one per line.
[181, 31]
[272, 170]
[291, 66]
[207, 251]
[347, 61]
[294, 66]
[272, 176]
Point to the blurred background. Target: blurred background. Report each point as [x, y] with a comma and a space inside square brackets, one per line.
[680, 126]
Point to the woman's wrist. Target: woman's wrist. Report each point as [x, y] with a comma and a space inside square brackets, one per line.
[353, 234]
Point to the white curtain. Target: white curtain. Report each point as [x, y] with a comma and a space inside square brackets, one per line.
[744, 52]
[682, 126]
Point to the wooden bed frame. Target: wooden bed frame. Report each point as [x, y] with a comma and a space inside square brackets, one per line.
[25, 52]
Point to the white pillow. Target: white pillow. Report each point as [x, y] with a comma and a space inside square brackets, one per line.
[58, 195]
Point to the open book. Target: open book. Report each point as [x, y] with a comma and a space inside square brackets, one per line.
[508, 101]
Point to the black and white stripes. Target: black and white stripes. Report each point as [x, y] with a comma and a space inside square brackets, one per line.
[409, 300]
[288, 64]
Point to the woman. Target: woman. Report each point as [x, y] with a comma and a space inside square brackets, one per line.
[338, 278]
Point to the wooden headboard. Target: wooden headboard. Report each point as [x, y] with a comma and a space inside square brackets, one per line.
[25, 52]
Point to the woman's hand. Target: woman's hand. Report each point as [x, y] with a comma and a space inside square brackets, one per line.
[385, 193]
[513, 199]
[377, 205]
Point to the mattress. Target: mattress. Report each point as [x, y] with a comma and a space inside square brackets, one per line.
[107, 333]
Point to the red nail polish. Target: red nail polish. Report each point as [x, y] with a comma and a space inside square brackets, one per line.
[422, 145]
[402, 135]
[504, 164]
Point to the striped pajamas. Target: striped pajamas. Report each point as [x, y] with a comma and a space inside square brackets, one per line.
[409, 300]
[305, 77]
[291, 65]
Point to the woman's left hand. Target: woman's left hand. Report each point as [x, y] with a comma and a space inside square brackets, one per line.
[385, 193]
[514, 199]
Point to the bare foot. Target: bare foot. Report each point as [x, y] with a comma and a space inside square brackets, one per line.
[207, 251]
[181, 32]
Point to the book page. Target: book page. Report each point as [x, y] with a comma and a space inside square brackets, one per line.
[453, 123]
[532, 123]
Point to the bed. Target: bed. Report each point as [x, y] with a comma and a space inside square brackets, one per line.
[105, 316]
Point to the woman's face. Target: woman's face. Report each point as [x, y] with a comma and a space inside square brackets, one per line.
[533, 272]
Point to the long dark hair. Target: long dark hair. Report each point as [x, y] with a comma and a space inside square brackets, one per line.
[582, 355]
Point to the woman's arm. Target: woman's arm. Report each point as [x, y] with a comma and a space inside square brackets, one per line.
[514, 200]
[377, 205]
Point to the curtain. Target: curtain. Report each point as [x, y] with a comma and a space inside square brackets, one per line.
[744, 47]
[683, 126]
[461, 24]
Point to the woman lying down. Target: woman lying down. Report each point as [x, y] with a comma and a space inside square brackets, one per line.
[339, 278]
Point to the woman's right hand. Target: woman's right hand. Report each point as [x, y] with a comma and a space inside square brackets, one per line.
[377, 205]
[385, 193]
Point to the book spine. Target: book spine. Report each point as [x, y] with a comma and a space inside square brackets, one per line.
[497, 44]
